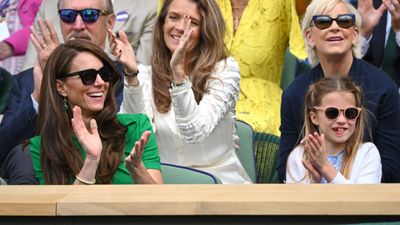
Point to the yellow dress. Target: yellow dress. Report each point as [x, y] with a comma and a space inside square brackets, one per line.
[266, 28]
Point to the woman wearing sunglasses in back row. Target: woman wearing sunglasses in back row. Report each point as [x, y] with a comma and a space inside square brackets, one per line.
[332, 150]
[331, 30]
[82, 139]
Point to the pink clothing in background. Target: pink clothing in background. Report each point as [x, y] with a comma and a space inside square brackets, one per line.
[27, 10]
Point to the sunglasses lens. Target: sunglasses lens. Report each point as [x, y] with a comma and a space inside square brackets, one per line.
[90, 15]
[88, 77]
[331, 113]
[68, 15]
[351, 113]
[322, 22]
[345, 21]
[106, 74]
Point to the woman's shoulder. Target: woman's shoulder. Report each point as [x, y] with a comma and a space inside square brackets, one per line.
[227, 67]
[297, 152]
[35, 144]
[375, 77]
[368, 147]
[368, 150]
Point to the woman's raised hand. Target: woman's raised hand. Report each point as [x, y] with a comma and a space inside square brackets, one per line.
[133, 161]
[177, 62]
[88, 137]
[122, 50]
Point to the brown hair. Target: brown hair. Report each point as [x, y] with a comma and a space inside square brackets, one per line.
[60, 158]
[209, 51]
[313, 99]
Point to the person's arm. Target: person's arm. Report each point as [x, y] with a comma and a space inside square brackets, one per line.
[90, 140]
[18, 40]
[289, 133]
[368, 169]
[19, 120]
[143, 161]
[387, 133]
[133, 101]
[5, 87]
[370, 16]
[394, 10]
[18, 167]
[295, 171]
[135, 164]
[197, 121]
[137, 94]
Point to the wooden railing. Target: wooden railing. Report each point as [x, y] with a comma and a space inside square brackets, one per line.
[211, 200]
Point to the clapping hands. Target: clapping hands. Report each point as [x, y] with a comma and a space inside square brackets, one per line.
[88, 136]
[177, 62]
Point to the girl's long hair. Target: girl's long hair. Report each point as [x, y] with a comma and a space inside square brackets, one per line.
[60, 159]
[313, 99]
[200, 62]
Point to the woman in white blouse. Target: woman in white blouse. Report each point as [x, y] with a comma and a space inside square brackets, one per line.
[190, 90]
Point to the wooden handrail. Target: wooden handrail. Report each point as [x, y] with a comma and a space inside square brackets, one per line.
[254, 199]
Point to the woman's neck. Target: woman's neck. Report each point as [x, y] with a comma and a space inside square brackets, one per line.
[336, 65]
[334, 148]
[238, 7]
[239, 3]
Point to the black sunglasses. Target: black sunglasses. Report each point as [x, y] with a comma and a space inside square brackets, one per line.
[88, 15]
[325, 21]
[89, 76]
[350, 113]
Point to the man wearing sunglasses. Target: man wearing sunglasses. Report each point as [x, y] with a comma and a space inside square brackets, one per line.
[90, 20]
[136, 18]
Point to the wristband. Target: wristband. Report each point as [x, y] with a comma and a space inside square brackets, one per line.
[85, 181]
[175, 84]
[131, 74]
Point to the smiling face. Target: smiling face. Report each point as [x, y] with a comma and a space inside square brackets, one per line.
[90, 98]
[174, 24]
[95, 32]
[333, 41]
[337, 131]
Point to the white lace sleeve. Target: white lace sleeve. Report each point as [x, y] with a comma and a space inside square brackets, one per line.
[197, 121]
[138, 99]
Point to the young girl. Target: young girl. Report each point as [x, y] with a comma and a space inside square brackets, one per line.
[332, 150]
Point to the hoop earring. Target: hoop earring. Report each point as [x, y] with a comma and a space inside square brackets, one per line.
[66, 107]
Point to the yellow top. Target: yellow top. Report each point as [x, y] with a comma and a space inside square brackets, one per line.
[266, 28]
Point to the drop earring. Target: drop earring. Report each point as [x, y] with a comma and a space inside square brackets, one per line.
[66, 107]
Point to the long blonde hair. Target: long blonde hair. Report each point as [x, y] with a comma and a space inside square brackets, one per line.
[313, 99]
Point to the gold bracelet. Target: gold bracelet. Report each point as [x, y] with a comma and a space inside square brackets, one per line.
[85, 181]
